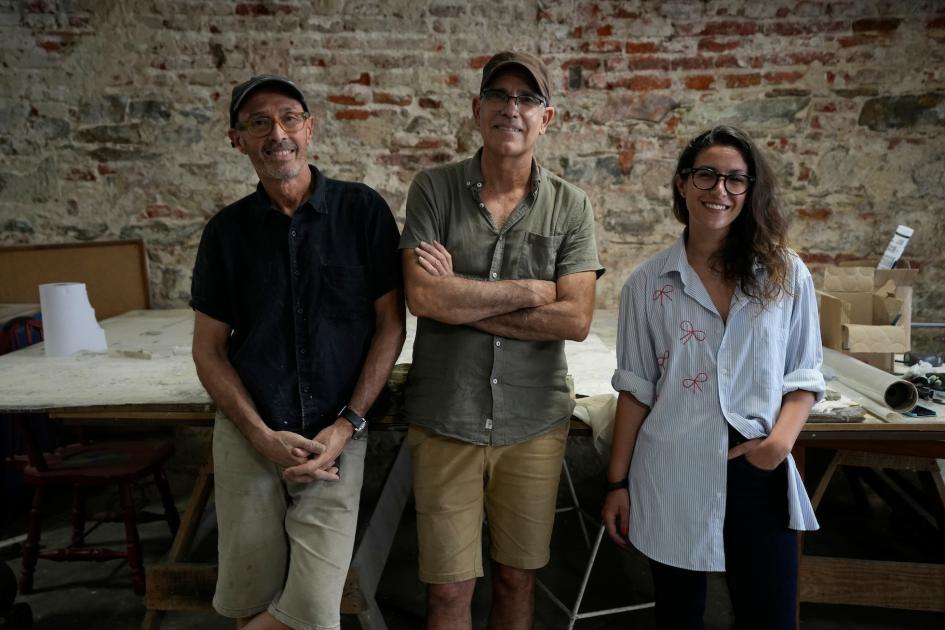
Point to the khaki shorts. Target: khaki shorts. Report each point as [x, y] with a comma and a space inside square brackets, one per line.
[284, 547]
[454, 482]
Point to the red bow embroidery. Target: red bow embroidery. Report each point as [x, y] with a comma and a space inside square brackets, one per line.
[695, 383]
[690, 332]
[662, 359]
[659, 294]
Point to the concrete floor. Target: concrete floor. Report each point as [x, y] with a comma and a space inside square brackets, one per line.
[91, 596]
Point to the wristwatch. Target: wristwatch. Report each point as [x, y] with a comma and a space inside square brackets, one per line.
[359, 423]
[610, 486]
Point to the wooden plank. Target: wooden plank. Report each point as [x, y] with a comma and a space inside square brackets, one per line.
[917, 446]
[195, 508]
[907, 585]
[181, 586]
[825, 480]
[885, 460]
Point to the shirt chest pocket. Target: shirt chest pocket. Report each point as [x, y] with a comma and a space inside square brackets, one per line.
[767, 352]
[538, 256]
[345, 292]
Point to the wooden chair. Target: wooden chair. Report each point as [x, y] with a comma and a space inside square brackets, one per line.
[82, 467]
[116, 277]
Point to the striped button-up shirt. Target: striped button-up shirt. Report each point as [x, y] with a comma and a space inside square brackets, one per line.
[696, 372]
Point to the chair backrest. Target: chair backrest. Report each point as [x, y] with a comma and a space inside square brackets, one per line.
[115, 273]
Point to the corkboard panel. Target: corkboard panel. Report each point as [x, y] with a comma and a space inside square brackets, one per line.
[115, 273]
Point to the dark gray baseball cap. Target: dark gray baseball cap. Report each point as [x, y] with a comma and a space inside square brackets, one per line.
[242, 91]
[532, 65]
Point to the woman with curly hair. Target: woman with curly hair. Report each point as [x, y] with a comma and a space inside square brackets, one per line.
[719, 358]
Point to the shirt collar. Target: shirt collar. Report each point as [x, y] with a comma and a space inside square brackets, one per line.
[475, 181]
[315, 200]
[676, 259]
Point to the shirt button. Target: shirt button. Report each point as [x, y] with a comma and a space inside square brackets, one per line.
[299, 311]
[495, 275]
[302, 351]
[478, 184]
[495, 381]
[498, 344]
[468, 183]
[293, 232]
[482, 205]
[306, 389]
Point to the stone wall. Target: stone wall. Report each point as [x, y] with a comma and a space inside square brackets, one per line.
[113, 113]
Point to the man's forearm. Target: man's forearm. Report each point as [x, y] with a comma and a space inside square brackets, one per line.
[388, 339]
[455, 300]
[225, 387]
[552, 322]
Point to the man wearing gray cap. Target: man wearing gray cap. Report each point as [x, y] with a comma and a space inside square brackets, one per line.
[299, 319]
[500, 265]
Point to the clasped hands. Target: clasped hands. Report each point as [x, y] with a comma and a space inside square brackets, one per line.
[306, 460]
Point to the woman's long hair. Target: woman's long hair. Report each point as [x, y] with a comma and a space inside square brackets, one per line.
[758, 235]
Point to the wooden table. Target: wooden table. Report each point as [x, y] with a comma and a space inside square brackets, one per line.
[147, 377]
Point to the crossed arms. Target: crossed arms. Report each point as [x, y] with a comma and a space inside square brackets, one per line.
[529, 310]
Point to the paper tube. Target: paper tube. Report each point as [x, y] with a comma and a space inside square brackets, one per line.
[69, 324]
[877, 385]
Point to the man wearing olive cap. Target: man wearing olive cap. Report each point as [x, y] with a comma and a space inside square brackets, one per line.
[299, 319]
[500, 265]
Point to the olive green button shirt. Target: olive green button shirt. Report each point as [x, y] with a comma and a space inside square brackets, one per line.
[468, 384]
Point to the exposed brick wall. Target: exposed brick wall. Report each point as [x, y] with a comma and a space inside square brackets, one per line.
[113, 124]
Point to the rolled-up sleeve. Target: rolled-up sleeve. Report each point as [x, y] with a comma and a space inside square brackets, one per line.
[637, 370]
[804, 355]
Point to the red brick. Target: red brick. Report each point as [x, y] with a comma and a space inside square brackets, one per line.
[649, 63]
[729, 28]
[633, 48]
[877, 25]
[790, 29]
[50, 46]
[827, 108]
[783, 12]
[672, 123]
[584, 62]
[344, 99]
[936, 24]
[429, 103]
[693, 63]
[452, 80]
[104, 170]
[602, 45]
[386, 98]
[851, 41]
[163, 211]
[623, 14]
[364, 79]
[577, 32]
[814, 214]
[742, 80]
[353, 114]
[255, 9]
[803, 173]
[476, 63]
[709, 44]
[428, 143]
[700, 82]
[625, 159]
[645, 83]
[782, 77]
[605, 31]
[729, 61]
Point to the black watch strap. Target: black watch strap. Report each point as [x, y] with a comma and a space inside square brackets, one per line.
[358, 422]
[610, 486]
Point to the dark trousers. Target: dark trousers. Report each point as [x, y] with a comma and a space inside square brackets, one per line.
[760, 558]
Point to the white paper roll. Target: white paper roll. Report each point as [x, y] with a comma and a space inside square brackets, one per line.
[879, 386]
[69, 324]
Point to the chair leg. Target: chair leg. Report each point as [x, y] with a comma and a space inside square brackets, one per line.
[131, 538]
[170, 510]
[77, 517]
[31, 546]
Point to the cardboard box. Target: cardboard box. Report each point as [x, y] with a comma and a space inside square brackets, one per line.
[864, 310]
